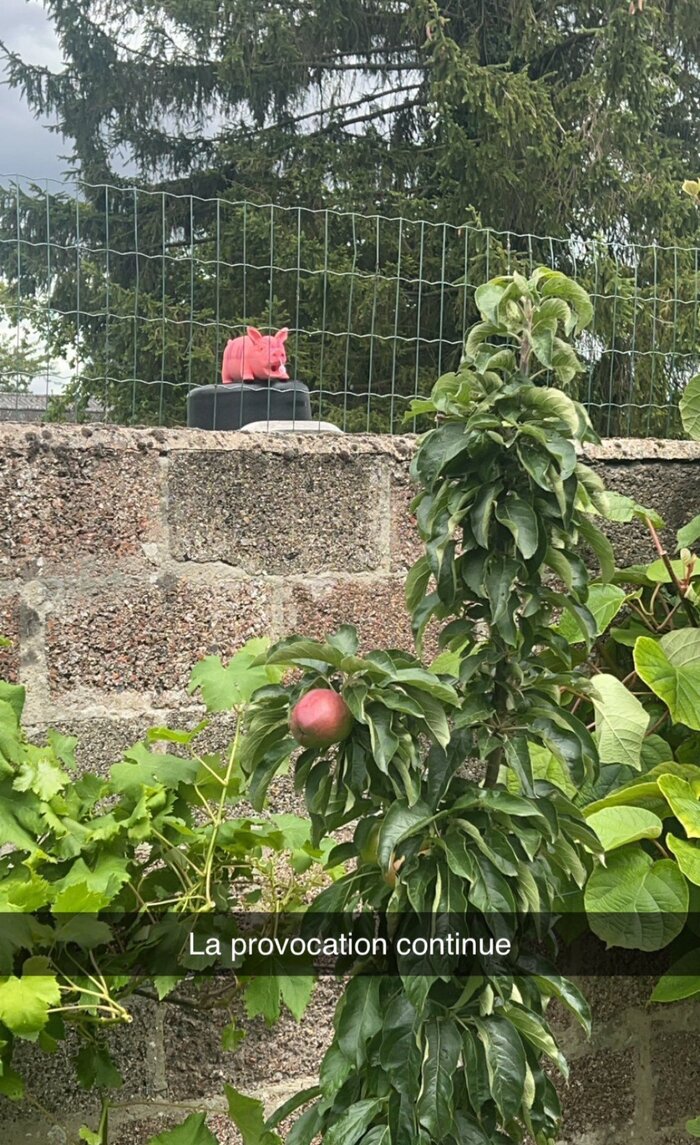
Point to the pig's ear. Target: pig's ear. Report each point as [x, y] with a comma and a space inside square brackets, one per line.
[254, 334]
[281, 335]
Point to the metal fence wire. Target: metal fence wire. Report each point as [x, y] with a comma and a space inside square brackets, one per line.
[130, 294]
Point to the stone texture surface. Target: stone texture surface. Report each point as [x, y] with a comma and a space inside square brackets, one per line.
[406, 546]
[674, 1102]
[612, 997]
[600, 1092]
[267, 1055]
[62, 507]
[376, 608]
[278, 514]
[144, 638]
[101, 741]
[10, 605]
[51, 1077]
[670, 487]
[126, 555]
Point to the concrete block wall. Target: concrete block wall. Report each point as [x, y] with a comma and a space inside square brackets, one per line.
[128, 554]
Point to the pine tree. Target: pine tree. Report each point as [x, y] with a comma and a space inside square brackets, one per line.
[577, 121]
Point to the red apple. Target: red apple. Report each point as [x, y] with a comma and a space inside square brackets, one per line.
[320, 719]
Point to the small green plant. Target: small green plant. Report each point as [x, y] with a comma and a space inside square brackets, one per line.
[156, 838]
[644, 704]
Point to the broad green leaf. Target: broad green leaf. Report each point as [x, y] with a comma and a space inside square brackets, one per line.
[40, 774]
[487, 298]
[417, 582]
[521, 521]
[109, 874]
[687, 856]
[302, 1097]
[226, 686]
[425, 681]
[621, 721]
[144, 768]
[20, 823]
[443, 1045]
[262, 998]
[481, 513]
[63, 747]
[165, 984]
[505, 1062]
[619, 507]
[398, 821]
[557, 562]
[25, 1001]
[680, 981]
[296, 993]
[307, 1127]
[642, 791]
[551, 403]
[417, 407]
[546, 765]
[174, 735]
[554, 986]
[447, 663]
[14, 696]
[604, 602]
[232, 1036]
[25, 894]
[433, 712]
[353, 1123]
[689, 534]
[542, 341]
[436, 450]
[566, 364]
[79, 898]
[501, 574]
[399, 1051]
[683, 801]
[94, 1067]
[248, 1115]
[671, 668]
[360, 1018]
[655, 751]
[559, 285]
[384, 743]
[659, 573]
[600, 545]
[533, 1030]
[11, 1084]
[193, 1131]
[689, 406]
[616, 826]
[636, 902]
[693, 1127]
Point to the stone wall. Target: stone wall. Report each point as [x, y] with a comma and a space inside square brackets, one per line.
[125, 556]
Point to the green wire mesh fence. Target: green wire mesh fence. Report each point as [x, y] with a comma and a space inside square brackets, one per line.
[127, 296]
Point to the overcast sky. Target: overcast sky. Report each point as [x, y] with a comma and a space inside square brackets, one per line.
[27, 147]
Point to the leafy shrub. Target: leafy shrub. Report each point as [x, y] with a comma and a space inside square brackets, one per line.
[87, 857]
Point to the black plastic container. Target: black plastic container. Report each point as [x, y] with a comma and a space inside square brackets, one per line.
[239, 403]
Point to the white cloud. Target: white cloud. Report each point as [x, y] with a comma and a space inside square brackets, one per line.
[27, 147]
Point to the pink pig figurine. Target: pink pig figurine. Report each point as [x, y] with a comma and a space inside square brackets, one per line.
[254, 356]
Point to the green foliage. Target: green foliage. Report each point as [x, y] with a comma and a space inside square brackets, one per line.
[413, 110]
[645, 805]
[690, 408]
[505, 501]
[156, 839]
[21, 359]
[428, 1053]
